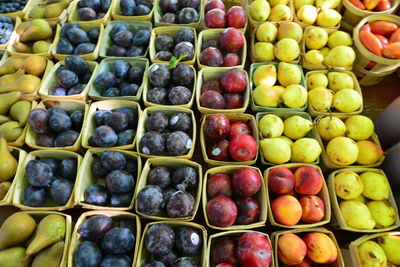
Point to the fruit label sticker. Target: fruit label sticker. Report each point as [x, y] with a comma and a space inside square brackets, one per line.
[194, 237]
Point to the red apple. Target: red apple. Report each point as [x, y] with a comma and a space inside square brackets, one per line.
[211, 57]
[246, 182]
[220, 151]
[254, 250]
[243, 148]
[219, 184]
[212, 99]
[215, 18]
[231, 40]
[224, 250]
[236, 17]
[217, 126]
[234, 81]
[233, 101]
[221, 211]
[231, 60]
[280, 180]
[248, 210]
[211, 85]
[214, 4]
[239, 128]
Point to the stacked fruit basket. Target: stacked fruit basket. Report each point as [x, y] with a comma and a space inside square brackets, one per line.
[189, 133]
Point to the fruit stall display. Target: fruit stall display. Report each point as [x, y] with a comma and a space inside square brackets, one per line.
[189, 133]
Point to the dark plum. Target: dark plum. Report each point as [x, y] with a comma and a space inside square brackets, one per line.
[116, 28]
[169, 6]
[164, 42]
[123, 38]
[180, 122]
[131, 113]
[77, 119]
[185, 262]
[98, 170]
[157, 95]
[127, 7]
[211, 57]
[86, 14]
[169, 18]
[39, 173]
[126, 137]
[113, 160]
[57, 91]
[87, 255]
[53, 163]
[184, 35]
[33, 196]
[66, 27]
[185, 178]
[100, 116]
[128, 222]
[179, 95]
[77, 36]
[121, 200]
[60, 191]
[95, 4]
[248, 210]
[65, 47]
[91, 141]
[84, 49]
[69, 168]
[184, 48]
[168, 192]
[60, 122]
[85, 78]
[146, 3]
[163, 56]
[168, 259]
[152, 143]
[116, 51]
[76, 64]
[105, 136]
[96, 194]
[118, 241]
[178, 143]
[55, 110]
[93, 35]
[121, 68]
[111, 92]
[129, 90]
[183, 75]
[189, 3]
[120, 181]
[135, 51]
[95, 227]
[188, 15]
[38, 120]
[159, 75]
[77, 89]
[104, 80]
[211, 43]
[141, 38]
[160, 176]
[45, 140]
[188, 241]
[117, 120]
[181, 204]
[150, 200]
[105, 5]
[157, 121]
[111, 260]
[65, 139]
[159, 239]
[155, 264]
[135, 74]
[142, 10]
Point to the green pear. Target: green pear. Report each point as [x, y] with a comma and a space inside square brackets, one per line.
[328, 18]
[280, 13]
[317, 79]
[305, 150]
[340, 80]
[50, 257]
[382, 212]
[266, 96]
[54, 10]
[300, 3]
[348, 185]
[376, 185]
[371, 254]
[41, 47]
[321, 99]
[331, 127]
[275, 150]
[20, 111]
[307, 14]
[347, 100]
[7, 100]
[259, 10]
[356, 215]
[314, 56]
[14, 257]
[4, 187]
[291, 30]
[11, 130]
[287, 50]
[296, 127]
[341, 56]
[342, 151]
[270, 126]
[294, 96]
[8, 164]
[264, 51]
[266, 32]
[326, 4]
[16, 229]
[390, 243]
[38, 29]
[359, 127]
[288, 74]
[316, 38]
[339, 38]
[276, 2]
[4, 119]
[37, 13]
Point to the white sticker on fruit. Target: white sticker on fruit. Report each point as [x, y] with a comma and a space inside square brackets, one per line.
[146, 150]
[189, 144]
[174, 120]
[216, 151]
[195, 239]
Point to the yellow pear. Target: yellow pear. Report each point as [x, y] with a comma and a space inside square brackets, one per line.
[371, 255]
[276, 2]
[20, 111]
[37, 13]
[376, 186]
[266, 32]
[8, 164]
[55, 9]
[14, 257]
[325, 4]
[27, 83]
[314, 56]
[361, 198]
[287, 50]
[356, 215]
[328, 18]
[22, 48]
[11, 130]
[21, 27]
[264, 51]
[16, 229]
[331, 127]
[38, 29]
[4, 187]
[275, 150]
[347, 100]
[288, 74]
[291, 30]
[324, 51]
[270, 126]
[280, 13]
[286, 139]
[300, 3]
[307, 14]
[7, 100]
[382, 212]
[294, 96]
[4, 119]
[35, 65]
[11, 65]
[348, 185]
[296, 127]
[359, 127]
[316, 38]
[369, 152]
[390, 243]
[265, 75]
[342, 151]
[305, 150]
[339, 81]
[339, 38]
[259, 10]
[50, 257]
[266, 96]
[340, 56]
[320, 99]
[317, 79]
[9, 78]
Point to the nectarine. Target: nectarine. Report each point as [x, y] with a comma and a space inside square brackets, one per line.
[320, 248]
[307, 180]
[291, 249]
[280, 180]
[313, 209]
[286, 210]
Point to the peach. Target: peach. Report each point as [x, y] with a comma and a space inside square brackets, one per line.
[286, 210]
[307, 180]
[313, 209]
[280, 180]
[291, 249]
[320, 248]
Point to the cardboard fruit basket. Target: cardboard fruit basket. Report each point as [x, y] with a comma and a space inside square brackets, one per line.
[170, 30]
[77, 239]
[275, 237]
[215, 33]
[368, 78]
[205, 142]
[284, 115]
[85, 178]
[305, 25]
[20, 14]
[323, 195]
[68, 106]
[17, 21]
[357, 88]
[19, 155]
[21, 181]
[144, 256]
[73, 14]
[158, 15]
[339, 221]
[257, 108]
[116, 14]
[207, 74]
[107, 65]
[327, 163]
[61, 19]
[169, 111]
[149, 86]
[133, 26]
[260, 196]
[234, 234]
[51, 80]
[171, 164]
[86, 26]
